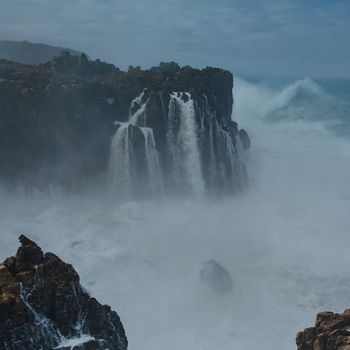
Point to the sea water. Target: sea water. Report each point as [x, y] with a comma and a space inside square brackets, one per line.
[284, 240]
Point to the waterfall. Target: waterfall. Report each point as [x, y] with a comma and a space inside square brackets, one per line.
[224, 165]
[134, 167]
[183, 144]
[138, 117]
[199, 154]
[233, 176]
[120, 170]
[153, 165]
[223, 170]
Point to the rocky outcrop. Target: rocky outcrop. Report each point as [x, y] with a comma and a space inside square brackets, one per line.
[43, 306]
[331, 332]
[216, 277]
[58, 121]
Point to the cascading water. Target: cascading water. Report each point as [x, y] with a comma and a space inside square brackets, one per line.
[46, 333]
[134, 162]
[137, 110]
[200, 154]
[224, 172]
[120, 172]
[183, 144]
[153, 165]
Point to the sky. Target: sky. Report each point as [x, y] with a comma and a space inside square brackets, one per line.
[252, 38]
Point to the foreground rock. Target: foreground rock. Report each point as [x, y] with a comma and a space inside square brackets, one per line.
[331, 332]
[43, 306]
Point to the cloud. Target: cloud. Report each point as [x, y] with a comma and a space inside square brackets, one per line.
[271, 37]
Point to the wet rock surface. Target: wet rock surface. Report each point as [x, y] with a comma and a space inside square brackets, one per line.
[57, 120]
[43, 306]
[331, 332]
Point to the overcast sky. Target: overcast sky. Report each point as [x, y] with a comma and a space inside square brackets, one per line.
[287, 38]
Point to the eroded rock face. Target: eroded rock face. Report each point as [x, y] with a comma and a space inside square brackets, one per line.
[43, 306]
[58, 121]
[331, 332]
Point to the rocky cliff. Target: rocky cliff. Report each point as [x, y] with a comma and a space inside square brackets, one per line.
[331, 332]
[43, 306]
[73, 120]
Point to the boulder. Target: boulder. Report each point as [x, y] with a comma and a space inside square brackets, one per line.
[331, 332]
[216, 277]
[43, 306]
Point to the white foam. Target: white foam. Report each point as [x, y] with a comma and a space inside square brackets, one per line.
[285, 243]
[71, 343]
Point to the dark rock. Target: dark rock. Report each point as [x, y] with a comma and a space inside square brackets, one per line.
[57, 121]
[331, 332]
[28, 255]
[42, 306]
[244, 138]
[64, 62]
[216, 277]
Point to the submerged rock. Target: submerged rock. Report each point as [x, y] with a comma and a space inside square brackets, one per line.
[43, 306]
[331, 332]
[216, 277]
[245, 139]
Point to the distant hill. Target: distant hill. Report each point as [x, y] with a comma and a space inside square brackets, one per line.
[29, 53]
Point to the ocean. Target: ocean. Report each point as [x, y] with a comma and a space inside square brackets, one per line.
[284, 240]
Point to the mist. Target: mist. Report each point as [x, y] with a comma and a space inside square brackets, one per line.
[283, 240]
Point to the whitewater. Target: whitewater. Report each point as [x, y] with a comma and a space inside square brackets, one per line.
[284, 240]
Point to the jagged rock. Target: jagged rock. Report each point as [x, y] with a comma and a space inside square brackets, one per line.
[43, 306]
[64, 62]
[216, 277]
[331, 332]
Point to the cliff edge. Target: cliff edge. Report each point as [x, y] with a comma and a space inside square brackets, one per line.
[59, 124]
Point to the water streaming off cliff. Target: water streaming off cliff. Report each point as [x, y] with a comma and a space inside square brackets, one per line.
[199, 156]
[284, 240]
[186, 170]
[134, 167]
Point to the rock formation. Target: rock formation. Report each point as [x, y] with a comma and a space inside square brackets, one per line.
[216, 277]
[73, 121]
[331, 332]
[43, 306]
